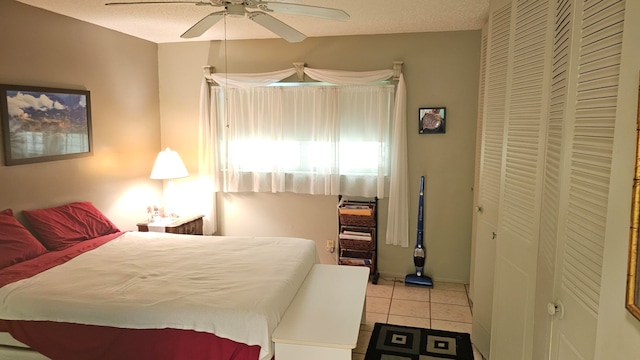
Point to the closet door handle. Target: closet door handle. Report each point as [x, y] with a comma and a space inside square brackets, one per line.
[556, 309]
[494, 235]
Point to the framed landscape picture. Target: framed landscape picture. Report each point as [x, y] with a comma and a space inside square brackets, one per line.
[44, 124]
[431, 120]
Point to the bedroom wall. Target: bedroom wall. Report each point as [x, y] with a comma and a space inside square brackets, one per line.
[441, 69]
[40, 48]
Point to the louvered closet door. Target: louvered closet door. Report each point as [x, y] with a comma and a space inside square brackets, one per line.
[495, 57]
[476, 180]
[562, 13]
[591, 110]
[523, 171]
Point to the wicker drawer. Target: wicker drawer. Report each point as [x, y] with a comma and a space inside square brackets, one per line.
[357, 238]
[357, 215]
[357, 254]
[357, 258]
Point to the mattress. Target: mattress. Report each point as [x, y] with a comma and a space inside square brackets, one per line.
[236, 288]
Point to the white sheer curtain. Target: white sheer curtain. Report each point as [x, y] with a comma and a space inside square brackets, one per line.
[208, 158]
[326, 140]
[247, 109]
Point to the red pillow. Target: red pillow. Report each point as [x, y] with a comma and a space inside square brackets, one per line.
[17, 244]
[63, 226]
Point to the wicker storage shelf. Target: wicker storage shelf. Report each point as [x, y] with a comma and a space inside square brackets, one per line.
[357, 234]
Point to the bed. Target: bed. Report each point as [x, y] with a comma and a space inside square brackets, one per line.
[136, 295]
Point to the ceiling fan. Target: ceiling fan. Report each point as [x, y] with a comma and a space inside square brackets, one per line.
[259, 14]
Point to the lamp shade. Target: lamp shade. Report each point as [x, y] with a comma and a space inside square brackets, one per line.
[168, 165]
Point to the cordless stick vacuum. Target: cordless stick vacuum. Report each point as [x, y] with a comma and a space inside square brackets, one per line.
[419, 253]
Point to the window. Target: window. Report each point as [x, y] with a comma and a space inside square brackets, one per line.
[305, 139]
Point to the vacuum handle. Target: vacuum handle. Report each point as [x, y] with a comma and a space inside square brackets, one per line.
[420, 214]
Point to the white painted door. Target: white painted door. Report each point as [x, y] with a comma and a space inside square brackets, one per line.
[553, 168]
[478, 157]
[591, 109]
[490, 166]
[522, 181]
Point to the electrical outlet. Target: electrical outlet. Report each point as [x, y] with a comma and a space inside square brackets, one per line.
[331, 245]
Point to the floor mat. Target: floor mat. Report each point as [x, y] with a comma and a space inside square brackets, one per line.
[395, 342]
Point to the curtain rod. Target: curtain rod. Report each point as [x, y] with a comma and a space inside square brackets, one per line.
[299, 66]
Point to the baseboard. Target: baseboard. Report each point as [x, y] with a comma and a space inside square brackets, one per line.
[389, 275]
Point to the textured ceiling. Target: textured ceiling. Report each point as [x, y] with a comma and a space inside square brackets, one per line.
[162, 23]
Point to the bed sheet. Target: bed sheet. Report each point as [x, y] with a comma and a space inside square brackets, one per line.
[237, 288]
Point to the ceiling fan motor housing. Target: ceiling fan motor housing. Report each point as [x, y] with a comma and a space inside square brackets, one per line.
[235, 10]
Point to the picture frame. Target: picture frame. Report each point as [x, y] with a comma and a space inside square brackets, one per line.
[432, 120]
[633, 265]
[44, 124]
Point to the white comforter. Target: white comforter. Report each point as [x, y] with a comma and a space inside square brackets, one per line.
[236, 288]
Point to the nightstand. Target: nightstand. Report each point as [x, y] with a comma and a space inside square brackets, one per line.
[191, 225]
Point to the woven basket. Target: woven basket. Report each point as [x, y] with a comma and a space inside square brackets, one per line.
[365, 217]
[357, 244]
[357, 262]
[357, 220]
[358, 254]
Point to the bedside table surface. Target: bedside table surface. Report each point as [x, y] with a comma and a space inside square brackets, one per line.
[175, 223]
[187, 225]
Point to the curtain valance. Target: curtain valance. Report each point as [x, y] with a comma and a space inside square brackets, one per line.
[338, 77]
[250, 80]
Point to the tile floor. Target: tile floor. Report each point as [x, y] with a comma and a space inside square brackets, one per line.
[445, 307]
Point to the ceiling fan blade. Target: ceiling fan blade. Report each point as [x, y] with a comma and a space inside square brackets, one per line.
[307, 10]
[277, 27]
[159, 2]
[203, 25]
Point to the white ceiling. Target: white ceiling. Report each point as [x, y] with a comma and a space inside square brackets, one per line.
[163, 23]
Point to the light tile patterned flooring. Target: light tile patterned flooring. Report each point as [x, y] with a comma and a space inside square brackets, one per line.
[444, 307]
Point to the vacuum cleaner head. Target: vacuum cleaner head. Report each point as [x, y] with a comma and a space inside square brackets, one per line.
[413, 279]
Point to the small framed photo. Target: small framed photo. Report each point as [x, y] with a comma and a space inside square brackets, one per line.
[44, 124]
[431, 120]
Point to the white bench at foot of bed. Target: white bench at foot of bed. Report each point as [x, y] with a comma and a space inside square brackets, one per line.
[323, 320]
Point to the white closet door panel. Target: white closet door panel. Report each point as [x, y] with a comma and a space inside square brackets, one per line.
[591, 109]
[497, 61]
[490, 167]
[484, 278]
[523, 170]
[592, 149]
[477, 167]
[507, 342]
[553, 158]
[549, 220]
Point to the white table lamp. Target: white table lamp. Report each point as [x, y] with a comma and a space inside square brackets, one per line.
[168, 166]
